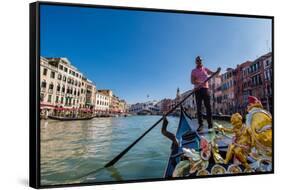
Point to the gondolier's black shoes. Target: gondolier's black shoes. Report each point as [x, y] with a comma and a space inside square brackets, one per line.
[200, 128]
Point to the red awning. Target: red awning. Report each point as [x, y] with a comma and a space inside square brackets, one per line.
[47, 105]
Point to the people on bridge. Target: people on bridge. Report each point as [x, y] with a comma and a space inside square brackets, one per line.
[198, 76]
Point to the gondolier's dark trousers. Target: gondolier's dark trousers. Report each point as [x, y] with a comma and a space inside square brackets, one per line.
[203, 95]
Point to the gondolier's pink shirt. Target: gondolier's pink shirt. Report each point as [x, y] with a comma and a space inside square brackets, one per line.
[200, 74]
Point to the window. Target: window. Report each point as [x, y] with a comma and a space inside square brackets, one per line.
[51, 86]
[60, 67]
[45, 71]
[44, 84]
[58, 87]
[41, 97]
[61, 100]
[63, 89]
[49, 98]
[65, 69]
[59, 76]
[64, 78]
[57, 99]
[52, 74]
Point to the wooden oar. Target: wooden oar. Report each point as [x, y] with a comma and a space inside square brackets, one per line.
[120, 155]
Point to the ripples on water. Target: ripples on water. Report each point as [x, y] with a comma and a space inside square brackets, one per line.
[70, 150]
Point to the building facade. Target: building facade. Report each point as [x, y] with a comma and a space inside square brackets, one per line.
[227, 91]
[103, 101]
[251, 78]
[62, 85]
[268, 82]
[216, 94]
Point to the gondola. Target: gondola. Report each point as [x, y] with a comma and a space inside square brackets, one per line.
[70, 118]
[188, 138]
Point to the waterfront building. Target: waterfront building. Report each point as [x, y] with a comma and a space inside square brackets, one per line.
[164, 105]
[216, 94]
[90, 94]
[260, 79]
[241, 89]
[117, 105]
[123, 108]
[62, 85]
[103, 101]
[268, 82]
[227, 91]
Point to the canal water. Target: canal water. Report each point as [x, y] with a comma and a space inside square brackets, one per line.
[74, 151]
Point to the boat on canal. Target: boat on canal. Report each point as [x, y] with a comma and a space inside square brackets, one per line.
[69, 118]
[189, 149]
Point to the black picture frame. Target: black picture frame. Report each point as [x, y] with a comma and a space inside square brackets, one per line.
[34, 86]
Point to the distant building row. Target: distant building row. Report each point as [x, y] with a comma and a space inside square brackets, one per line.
[229, 91]
[64, 86]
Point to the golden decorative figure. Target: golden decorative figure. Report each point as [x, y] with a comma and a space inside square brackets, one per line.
[241, 142]
[254, 138]
[260, 122]
[216, 155]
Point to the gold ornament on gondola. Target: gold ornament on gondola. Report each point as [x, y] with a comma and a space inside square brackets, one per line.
[202, 173]
[251, 139]
[234, 169]
[218, 169]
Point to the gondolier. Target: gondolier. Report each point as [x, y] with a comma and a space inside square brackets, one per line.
[198, 75]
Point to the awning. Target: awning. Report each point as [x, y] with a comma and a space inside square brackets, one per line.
[47, 106]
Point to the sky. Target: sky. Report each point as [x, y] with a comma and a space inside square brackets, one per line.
[142, 55]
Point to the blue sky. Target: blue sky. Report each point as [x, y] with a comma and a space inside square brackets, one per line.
[137, 53]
